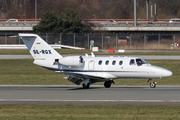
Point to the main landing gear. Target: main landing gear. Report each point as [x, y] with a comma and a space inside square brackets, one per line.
[152, 84]
[107, 84]
[86, 84]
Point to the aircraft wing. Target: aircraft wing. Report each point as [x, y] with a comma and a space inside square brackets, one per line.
[77, 78]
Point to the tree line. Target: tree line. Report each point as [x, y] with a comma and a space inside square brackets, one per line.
[68, 22]
[65, 16]
[89, 9]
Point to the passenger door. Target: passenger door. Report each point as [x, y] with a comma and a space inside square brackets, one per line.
[91, 65]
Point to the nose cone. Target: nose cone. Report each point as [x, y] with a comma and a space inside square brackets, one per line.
[161, 72]
[165, 73]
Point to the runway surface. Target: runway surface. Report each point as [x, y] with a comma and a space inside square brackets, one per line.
[163, 57]
[95, 95]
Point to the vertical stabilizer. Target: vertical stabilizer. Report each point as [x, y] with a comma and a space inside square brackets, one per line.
[38, 48]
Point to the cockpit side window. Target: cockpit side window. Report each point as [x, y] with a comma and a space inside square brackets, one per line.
[140, 62]
[132, 62]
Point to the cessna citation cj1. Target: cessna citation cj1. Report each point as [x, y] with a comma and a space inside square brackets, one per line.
[91, 69]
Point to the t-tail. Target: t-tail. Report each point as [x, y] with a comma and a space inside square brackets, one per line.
[43, 53]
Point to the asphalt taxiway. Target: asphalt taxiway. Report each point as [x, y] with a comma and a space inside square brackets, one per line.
[95, 95]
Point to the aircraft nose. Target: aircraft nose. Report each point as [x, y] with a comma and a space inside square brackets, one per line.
[165, 73]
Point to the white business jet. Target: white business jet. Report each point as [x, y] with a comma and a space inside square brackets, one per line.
[91, 69]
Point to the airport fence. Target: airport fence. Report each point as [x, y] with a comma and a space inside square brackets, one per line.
[105, 41]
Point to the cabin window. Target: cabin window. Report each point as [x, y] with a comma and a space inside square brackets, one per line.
[100, 62]
[107, 62]
[120, 62]
[132, 62]
[113, 62]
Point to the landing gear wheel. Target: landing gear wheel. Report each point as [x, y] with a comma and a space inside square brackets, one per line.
[152, 84]
[85, 86]
[107, 84]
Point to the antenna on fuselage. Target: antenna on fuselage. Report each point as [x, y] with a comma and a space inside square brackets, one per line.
[92, 54]
[86, 55]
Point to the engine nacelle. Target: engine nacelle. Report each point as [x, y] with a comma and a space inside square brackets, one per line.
[72, 61]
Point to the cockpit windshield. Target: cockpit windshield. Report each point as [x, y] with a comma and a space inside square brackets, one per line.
[140, 62]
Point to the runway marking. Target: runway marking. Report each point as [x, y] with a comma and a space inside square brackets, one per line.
[42, 100]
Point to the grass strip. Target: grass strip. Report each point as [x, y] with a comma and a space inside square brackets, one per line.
[24, 72]
[93, 112]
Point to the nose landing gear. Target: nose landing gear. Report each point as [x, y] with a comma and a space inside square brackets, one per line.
[152, 84]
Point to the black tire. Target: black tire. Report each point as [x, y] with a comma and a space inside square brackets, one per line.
[86, 86]
[107, 84]
[152, 85]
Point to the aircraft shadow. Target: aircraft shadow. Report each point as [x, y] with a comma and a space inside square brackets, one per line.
[95, 87]
[80, 88]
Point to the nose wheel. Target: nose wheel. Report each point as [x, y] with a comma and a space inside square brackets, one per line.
[152, 84]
